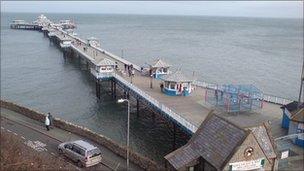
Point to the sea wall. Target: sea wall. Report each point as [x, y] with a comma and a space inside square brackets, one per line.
[136, 158]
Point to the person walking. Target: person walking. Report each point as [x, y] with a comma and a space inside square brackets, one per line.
[51, 120]
[47, 123]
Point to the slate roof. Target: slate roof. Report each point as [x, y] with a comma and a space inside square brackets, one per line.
[298, 115]
[160, 64]
[291, 106]
[92, 38]
[176, 77]
[215, 140]
[262, 137]
[106, 62]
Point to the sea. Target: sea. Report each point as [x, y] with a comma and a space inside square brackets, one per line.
[265, 52]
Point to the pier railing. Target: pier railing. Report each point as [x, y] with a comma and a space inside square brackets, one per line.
[266, 97]
[184, 122]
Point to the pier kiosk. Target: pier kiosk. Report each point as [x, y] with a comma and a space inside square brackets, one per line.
[67, 24]
[159, 68]
[104, 69]
[92, 41]
[176, 84]
[65, 42]
[51, 33]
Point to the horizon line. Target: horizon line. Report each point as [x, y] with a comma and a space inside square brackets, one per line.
[194, 15]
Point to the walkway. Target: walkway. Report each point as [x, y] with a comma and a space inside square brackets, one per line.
[36, 131]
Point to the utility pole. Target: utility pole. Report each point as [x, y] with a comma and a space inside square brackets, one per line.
[300, 100]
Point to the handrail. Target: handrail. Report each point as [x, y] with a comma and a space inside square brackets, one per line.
[266, 97]
[159, 105]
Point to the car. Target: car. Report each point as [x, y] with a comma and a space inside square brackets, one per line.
[81, 152]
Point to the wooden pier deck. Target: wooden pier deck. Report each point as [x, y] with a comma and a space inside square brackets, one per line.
[187, 111]
[192, 109]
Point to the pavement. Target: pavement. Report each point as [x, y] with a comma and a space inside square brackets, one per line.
[35, 135]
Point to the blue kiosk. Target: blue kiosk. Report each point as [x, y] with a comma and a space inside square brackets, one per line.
[293, 120]
[176, 84]
[159, 68]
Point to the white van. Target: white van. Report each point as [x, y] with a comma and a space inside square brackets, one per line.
[81, 152]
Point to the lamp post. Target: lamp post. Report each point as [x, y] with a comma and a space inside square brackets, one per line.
[128, 128]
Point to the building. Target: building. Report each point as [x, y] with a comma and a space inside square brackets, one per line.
[176, 84]
[288, 109]
[293, 120]
[92, 41]
[104, 69]
[159, 68]
[218, 144]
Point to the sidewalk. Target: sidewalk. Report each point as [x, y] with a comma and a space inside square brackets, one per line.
[110, 159]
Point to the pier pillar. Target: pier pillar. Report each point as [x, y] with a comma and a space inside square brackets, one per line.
[137, 107]
[87, 65]
[114, 89]
[97, 85]
[174, 137]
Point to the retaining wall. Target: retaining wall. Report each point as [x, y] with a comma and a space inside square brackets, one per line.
[136, 158]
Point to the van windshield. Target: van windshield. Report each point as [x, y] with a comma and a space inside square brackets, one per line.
[94, 152]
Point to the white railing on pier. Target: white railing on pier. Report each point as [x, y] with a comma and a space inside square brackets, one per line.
[157, 104]
[266, 97]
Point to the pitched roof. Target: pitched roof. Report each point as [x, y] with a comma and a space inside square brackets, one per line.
[298, 115]
[215, 140]
[262, 137]
[106, 62]
[160, 64]
[176, 77]
[291, 106]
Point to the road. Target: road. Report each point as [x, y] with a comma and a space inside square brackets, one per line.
[35, 135]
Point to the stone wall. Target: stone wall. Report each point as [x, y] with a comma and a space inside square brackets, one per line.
[136, 158]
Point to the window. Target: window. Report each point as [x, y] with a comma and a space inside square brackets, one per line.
[165, 69]
[166, 84]
[103, 68]
[172, 86]
[76, 149]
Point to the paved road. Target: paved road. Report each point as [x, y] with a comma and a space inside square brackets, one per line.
[36, 136]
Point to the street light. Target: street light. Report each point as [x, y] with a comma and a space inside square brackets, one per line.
[128, 128]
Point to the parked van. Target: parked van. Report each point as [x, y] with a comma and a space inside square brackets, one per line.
[81, 152]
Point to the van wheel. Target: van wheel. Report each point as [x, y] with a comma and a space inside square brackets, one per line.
[79, 164]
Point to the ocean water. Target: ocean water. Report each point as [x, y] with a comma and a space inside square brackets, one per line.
[265, 52]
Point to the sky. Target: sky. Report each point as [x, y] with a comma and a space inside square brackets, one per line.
[277, 9]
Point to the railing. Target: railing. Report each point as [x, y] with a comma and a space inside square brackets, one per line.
[266, 97]
[156, 103]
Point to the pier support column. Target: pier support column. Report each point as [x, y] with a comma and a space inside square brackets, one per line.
[137, 107]
[97, 85]
[114, 90]
[174, 137]
[87, 65]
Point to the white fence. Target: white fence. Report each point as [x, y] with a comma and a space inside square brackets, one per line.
[162, 107]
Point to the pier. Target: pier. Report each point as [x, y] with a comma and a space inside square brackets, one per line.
[187, 112]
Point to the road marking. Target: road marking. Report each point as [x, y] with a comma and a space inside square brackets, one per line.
[8, 130]
[2, 127]
[53, 153]
[36, 145]
[15, 133]
[22, 137]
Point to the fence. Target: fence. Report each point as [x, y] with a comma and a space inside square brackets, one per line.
[266, 97]
[160, 106]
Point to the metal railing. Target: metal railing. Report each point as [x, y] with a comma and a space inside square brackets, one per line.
[266, 97]
[184, 122]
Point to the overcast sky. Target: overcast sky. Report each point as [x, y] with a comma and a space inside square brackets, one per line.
[280, 9]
